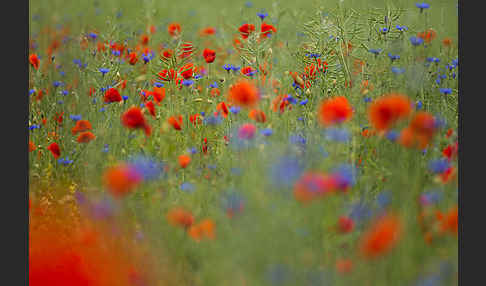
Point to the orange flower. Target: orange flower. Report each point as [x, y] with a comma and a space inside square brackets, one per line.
[81, 125]
[207, 31]
[144, 39]
[85, 137]
[257, 115]
[427, 36]
[184, 161]
[176, 123]
[215, 91]
[449, 221]
[335, 110]
[32, 146]
[180, 217]
[158, 94]
[387, 110]
[243, 93]
[447, 42]
[420, 131]
[204, 229]
[34, 60]
[120, 180]
[381, 237]
[174, 29]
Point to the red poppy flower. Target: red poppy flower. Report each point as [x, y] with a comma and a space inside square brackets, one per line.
[244, 93]
[345, 224]
[176, 123]
[133, 118]
[133, 58]
[313, 185]
[223, 109]
[174, 29]
[167, 75]
[34, 60]
[420, 131]
[85, 137]
[187, 50]
[267, 30]
[248, 71]
[167, 53]
[344, 266]
[204, 229]
[158, 94]
[427, 36]
[32, 146]
[112, 95]
[151, 108]
[81, 125]
[335, 110]
[209, 55]
[55, 150]
[186, 71]
[195, 119]
[246, 29]
[387, 110]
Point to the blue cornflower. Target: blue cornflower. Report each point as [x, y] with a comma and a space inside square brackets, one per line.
[65, 162]
[291, 99]
[146, 58]
[149, 168]
[32, 127]
[235, 109]
[75, 117]
[60, 102]
[375, 51]
[439, 166]
[262, 15]
[214, 85]
[298, 140]
[266, 132]
[31, 91]
[383, 199]
[345, 175]
[57, 83]
[212, 120]
[92, 35]
[124, 97]
[106, 148]
[248, 4]
[235, 69]
[445, 91]
[402, 28]
[313, 55]
[422, 6]
[360, 212]
[393, 57]
[116, 52]
[304, 101]
[193, 150]
[202, 113]
[228, 67]
[104, 70]
[286, 171]
[418, 105]
[187, 187]
[338, 134]
[432, 60]
[397, 70]
[392, 135]
[367, 99]
[65, 92]
[62, 73]
[384, 30]
[187, 82]
[158, 84]
[198, 76]
[102, 109]
[416, 41]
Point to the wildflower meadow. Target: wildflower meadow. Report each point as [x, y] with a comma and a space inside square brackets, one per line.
[243, 143]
